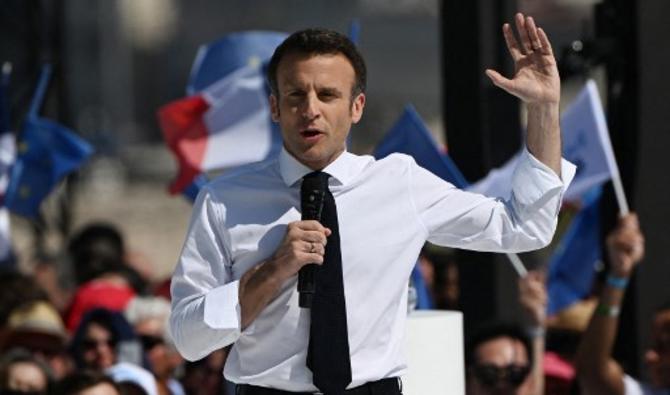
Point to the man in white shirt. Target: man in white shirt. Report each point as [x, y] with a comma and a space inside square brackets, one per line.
[236, 279]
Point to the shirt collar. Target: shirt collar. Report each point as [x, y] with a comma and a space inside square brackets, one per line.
[342, 170]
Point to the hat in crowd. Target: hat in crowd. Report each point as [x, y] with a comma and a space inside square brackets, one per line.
[575, 318]
[37, 326]
[125, 372]
[96, 294]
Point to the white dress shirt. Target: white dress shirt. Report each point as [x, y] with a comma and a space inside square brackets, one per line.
[386, 208]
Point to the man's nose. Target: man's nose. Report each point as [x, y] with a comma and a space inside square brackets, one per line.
[310, 108]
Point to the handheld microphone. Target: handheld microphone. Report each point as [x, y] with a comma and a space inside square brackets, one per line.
[312, 193]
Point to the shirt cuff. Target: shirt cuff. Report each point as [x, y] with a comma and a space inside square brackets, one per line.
[222, 307]
[533, 179]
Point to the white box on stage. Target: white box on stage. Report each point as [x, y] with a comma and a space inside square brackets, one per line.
[434, 350]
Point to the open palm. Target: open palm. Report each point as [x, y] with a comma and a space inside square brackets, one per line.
[536, 79]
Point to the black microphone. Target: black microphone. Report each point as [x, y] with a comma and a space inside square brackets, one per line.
[312, 193]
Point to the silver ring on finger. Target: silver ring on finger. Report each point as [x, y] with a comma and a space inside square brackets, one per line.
[312, 247]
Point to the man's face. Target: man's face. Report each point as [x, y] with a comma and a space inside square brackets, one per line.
[501, 367]
[314, 106]
[658, 356]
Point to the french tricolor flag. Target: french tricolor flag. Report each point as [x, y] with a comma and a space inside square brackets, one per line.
[225, 125]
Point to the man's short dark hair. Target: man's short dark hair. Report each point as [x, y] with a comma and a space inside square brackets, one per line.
[496, 330]
[319, 42]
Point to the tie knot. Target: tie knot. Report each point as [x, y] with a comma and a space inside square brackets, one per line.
[315, 180]
[317, 175]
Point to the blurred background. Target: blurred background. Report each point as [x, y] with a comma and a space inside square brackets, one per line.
[116, 62]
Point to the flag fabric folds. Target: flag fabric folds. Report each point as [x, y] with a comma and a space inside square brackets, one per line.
[586, 143]
[410, 135]
[572, 266]
[47, 152]
[226, 125]
[234, 51]
[225, 121]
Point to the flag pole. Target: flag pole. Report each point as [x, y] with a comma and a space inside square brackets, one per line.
[603, 134]
[42, 85]
[517, 264]
[620, 194]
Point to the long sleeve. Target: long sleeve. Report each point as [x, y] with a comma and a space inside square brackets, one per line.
[205, 303]
[461, 219]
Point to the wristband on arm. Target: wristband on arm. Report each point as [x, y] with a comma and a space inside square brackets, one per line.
[605, 310]
[617, 282]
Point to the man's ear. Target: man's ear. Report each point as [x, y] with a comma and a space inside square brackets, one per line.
[357, 106]
[274, 108]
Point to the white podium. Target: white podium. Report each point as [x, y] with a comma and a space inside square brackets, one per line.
[434, 350]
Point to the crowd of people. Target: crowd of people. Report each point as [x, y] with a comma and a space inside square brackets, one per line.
[94, 322]
[572, 351]
[110, 333]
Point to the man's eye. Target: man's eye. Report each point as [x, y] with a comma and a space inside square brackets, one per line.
[327, 95]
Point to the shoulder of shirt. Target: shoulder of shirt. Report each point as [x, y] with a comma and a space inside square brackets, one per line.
[395, 159]
[248, 174]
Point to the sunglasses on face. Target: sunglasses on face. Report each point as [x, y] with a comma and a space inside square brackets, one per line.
[149, 342]
[492, 375]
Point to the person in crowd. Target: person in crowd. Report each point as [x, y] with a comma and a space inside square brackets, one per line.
[103, 279]
[132, 379]
[104, 338]
[598, 372]
[499, 358]
[203, 377]
[236, 279]
[564, 332]
[533, 299]
[87, 382]
[17, 289]
[38, 328]
[23, 374]
[149, 317]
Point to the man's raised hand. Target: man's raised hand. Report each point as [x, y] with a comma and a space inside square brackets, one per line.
[536, 79]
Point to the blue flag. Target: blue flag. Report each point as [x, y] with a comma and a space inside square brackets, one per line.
[234, 51]
[573, 264]
[47, 152]
[410, 135]
[586, 143]
[424, 301]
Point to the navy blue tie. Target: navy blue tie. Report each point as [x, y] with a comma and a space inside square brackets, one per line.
[328, 353]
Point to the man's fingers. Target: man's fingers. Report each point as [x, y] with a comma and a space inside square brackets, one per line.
[544, 40]
[533, 34]
[523, 33]
[512, 43]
